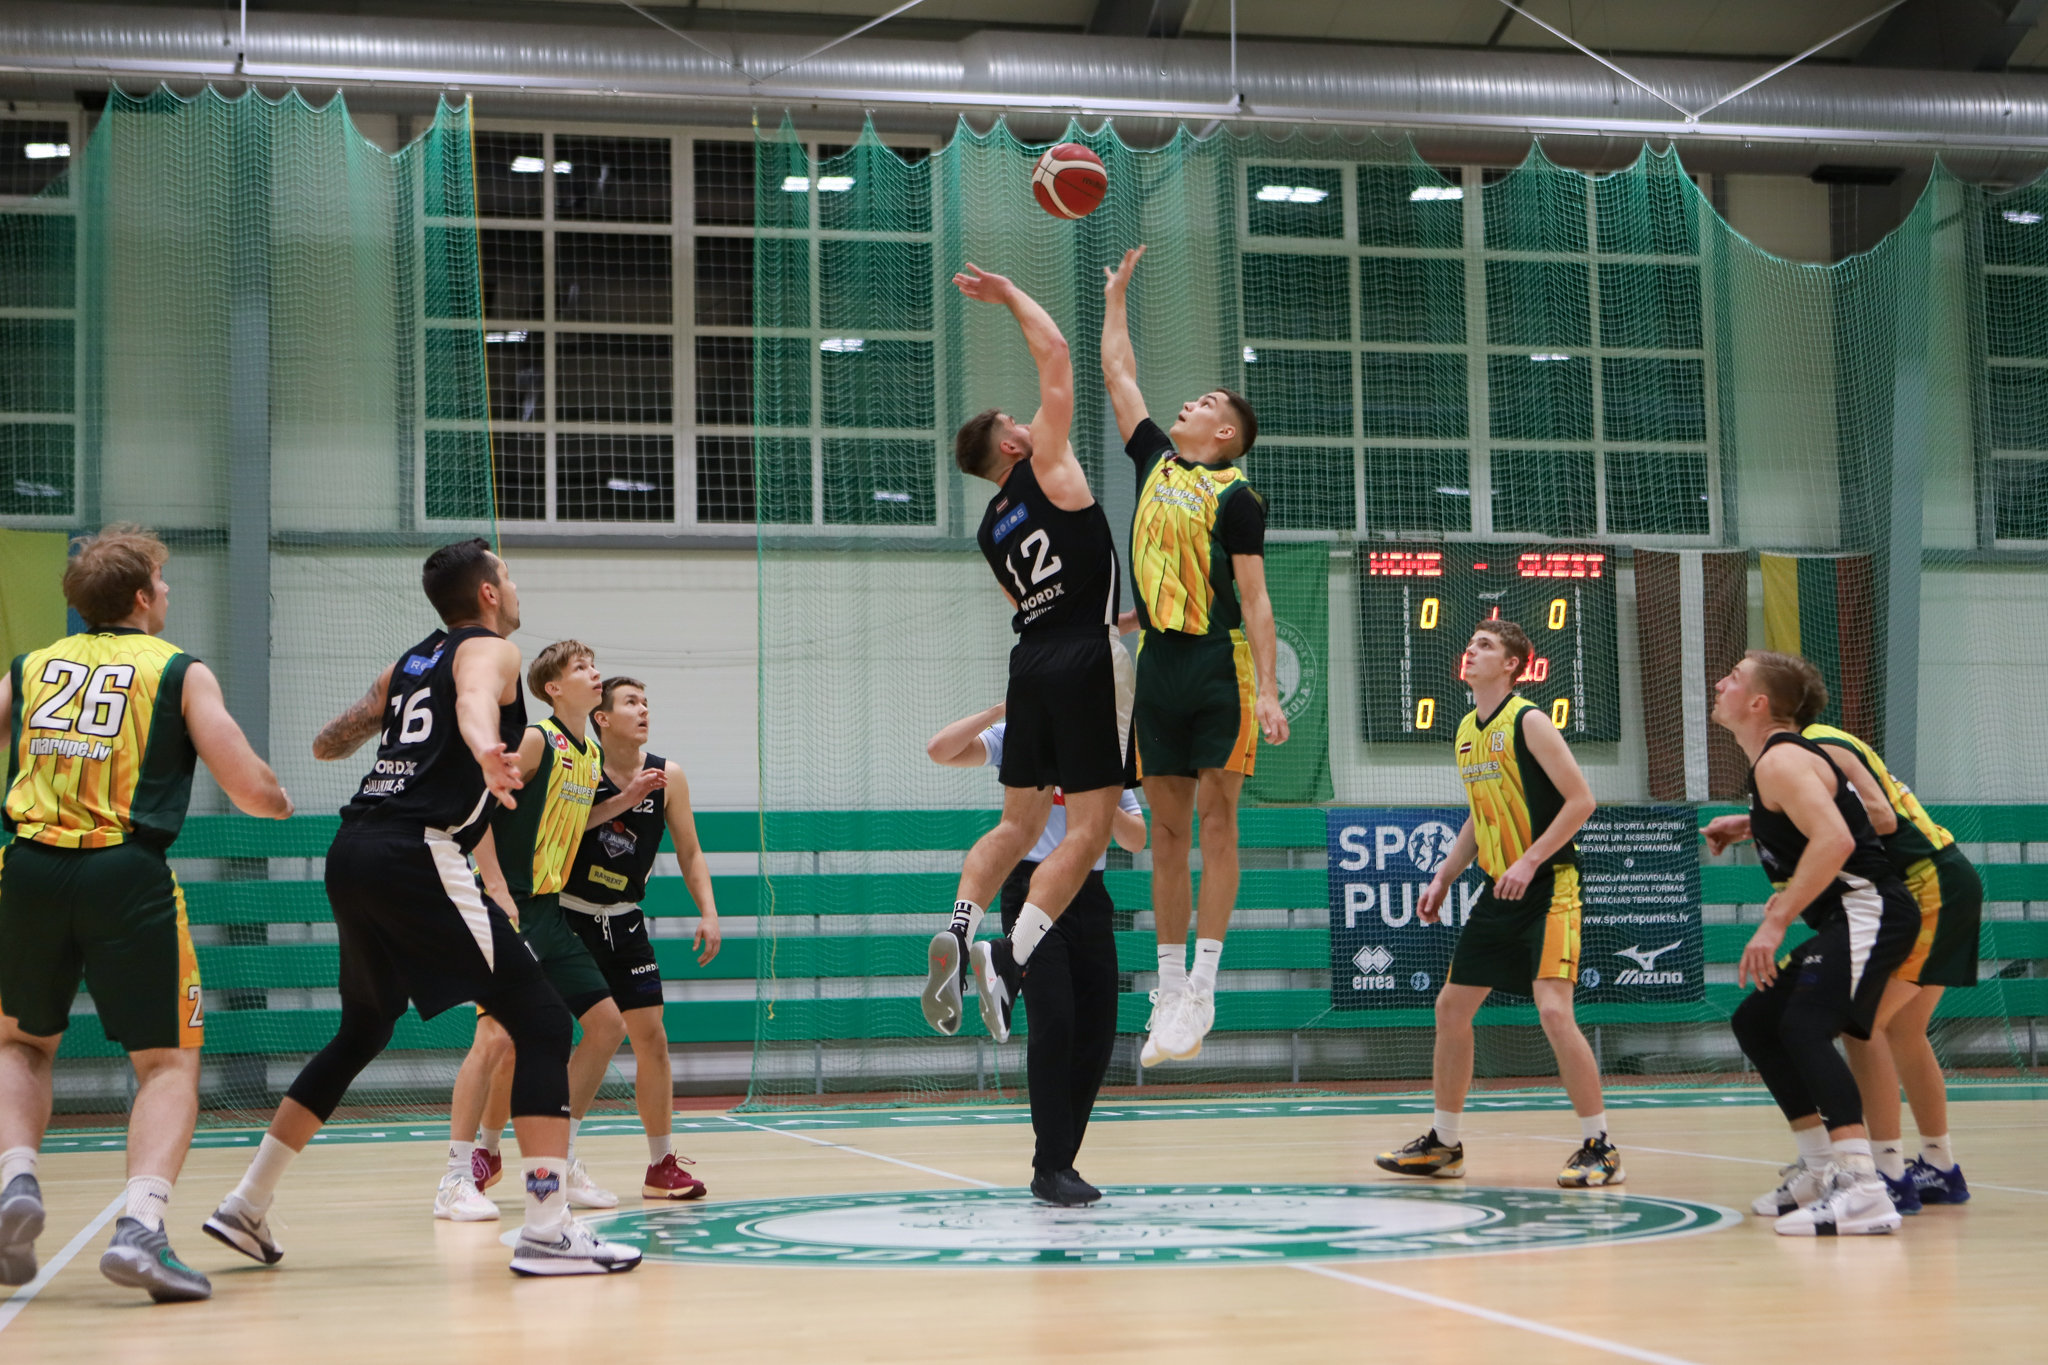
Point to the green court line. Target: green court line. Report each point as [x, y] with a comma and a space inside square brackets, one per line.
[1150, 1111]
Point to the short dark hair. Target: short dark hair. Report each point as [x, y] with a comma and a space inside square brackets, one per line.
[452, 575]
[611, 685]
[1247, 420]
[1794, 685]
[107, 570]
[1513, 639]
[975, 443]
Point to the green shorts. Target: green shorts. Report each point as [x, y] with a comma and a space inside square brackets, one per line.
[569, 965]
[1508, 944]
[114, 916]
[1194, 704]
[1951, 900]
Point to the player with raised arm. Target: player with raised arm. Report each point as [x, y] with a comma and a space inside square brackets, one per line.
[1072, 988]
[1830, 869]
[1528, 800]
[1049, 544]
[1951, 899]
[414, 926]
[1208, 685]
[104, 729]
[639, 795]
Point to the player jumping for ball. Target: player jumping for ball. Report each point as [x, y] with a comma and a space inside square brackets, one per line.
[1528, 799]
[1069, 702]
[1208, 687]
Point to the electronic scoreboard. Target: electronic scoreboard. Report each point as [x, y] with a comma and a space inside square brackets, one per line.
[1417, 605]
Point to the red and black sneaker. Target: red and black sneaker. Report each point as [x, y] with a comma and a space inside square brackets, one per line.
[666, 1179]
[486, 1168]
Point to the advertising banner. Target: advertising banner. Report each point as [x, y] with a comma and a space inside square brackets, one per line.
[1641, 938]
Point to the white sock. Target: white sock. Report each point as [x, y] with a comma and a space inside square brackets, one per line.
[1446, 1124]
[1937, 1152]
[1890, 1156]
[489, 1139]
[1814, 1147]
[1032, 924]
[966, 919]
[659, 1145]
[1854, 1154]
[1593, 1125]
[16, 1161]
[575, 1126]
[148, 1196]
[546, 1203]
[259, 1182]
[458, 1157]
[1202, 976]
[1173, 968]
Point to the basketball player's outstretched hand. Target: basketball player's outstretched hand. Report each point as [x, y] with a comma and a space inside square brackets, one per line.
[645, 781]
[1118, 277]
[501, 773]
[983, 286]
[1724, 830]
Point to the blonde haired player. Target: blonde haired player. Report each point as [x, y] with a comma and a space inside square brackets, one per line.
[1528, 800]
[105, 727]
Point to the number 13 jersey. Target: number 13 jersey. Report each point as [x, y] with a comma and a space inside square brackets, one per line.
[99, 753]
[1060, 566]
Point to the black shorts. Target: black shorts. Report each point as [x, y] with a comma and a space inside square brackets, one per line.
[619, 944]
[415, 925]
[1069, 712]
[1845, 966]
[1090, 904]
[543, 924]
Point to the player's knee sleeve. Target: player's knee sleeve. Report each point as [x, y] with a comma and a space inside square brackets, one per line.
[327, 1076]
[1755, 1025]
[541, 1027]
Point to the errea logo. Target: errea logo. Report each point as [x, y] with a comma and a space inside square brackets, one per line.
[1372, 961]
[1645, 972]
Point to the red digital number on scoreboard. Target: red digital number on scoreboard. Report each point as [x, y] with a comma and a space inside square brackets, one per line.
[1536, 670]
[1543, 564]
[1405, 564]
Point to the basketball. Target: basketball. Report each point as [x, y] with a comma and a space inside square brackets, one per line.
[1069, 181]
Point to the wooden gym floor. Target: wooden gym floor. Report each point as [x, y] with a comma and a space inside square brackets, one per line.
[369, 1277]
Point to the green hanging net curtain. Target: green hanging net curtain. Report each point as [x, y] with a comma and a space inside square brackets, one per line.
[1583, 402]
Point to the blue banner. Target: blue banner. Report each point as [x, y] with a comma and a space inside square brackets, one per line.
[1641, 936]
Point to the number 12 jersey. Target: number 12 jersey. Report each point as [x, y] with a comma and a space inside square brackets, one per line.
[1059, 566]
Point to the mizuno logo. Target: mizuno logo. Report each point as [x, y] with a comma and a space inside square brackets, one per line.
[1645, 972]
[1647, 961]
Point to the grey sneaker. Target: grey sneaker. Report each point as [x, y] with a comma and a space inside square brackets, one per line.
[573, 1249]
[21, 1222]
[142, 1258]
[941, 1000]
[245, 1232]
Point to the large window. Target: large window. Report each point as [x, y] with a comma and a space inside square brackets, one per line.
[2015, 245]
[1465, 353]
[629, 385]
[38, 324]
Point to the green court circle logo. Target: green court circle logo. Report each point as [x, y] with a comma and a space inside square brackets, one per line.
[1153, 1225]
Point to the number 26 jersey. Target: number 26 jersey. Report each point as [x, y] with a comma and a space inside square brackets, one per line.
[1059, 566]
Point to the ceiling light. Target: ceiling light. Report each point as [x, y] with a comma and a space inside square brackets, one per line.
[630, 486]
[2010, 215]
[528, 165]
[1455, 492]
[882, 495]
[1423, 194]
[834, 184]
[44, 151]
[1550, 355]
[795, 184]
[491, 337]
[841, 345]
[564, 167]
[1250, 356]
[1303, 194]
[1275, 194]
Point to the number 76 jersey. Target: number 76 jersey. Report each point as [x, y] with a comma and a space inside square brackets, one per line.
[99, 752]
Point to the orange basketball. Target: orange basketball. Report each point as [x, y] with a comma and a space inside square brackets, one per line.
[1069, 181]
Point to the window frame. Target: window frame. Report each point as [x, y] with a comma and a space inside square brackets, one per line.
[44, 204]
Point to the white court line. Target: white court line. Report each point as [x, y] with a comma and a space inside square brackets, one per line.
[1504, 1319]
[1758, 1161]
[1470, 1310]
[18, 1300]
[862, 1151]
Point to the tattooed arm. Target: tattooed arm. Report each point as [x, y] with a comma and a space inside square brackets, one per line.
[345, 734]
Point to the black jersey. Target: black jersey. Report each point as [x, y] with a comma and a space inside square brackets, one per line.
[615, 857]
[1060, 566]
[424, 774]
[1780, 845]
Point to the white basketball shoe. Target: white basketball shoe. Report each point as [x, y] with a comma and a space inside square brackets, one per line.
[458, 1200]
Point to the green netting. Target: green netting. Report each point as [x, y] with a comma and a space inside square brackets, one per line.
[241, 323]
[1584, 401]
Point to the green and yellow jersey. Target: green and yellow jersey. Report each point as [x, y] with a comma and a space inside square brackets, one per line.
[99, 754]
[1917, 836]
[537, 839]
[1191, 519]
[1513, 800]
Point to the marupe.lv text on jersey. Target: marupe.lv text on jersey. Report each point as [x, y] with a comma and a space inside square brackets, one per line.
[70, 748]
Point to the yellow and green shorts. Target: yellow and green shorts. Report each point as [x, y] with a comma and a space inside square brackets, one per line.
[1194, 704]
[1508, 944]
[1951, 900]
[114, 917]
